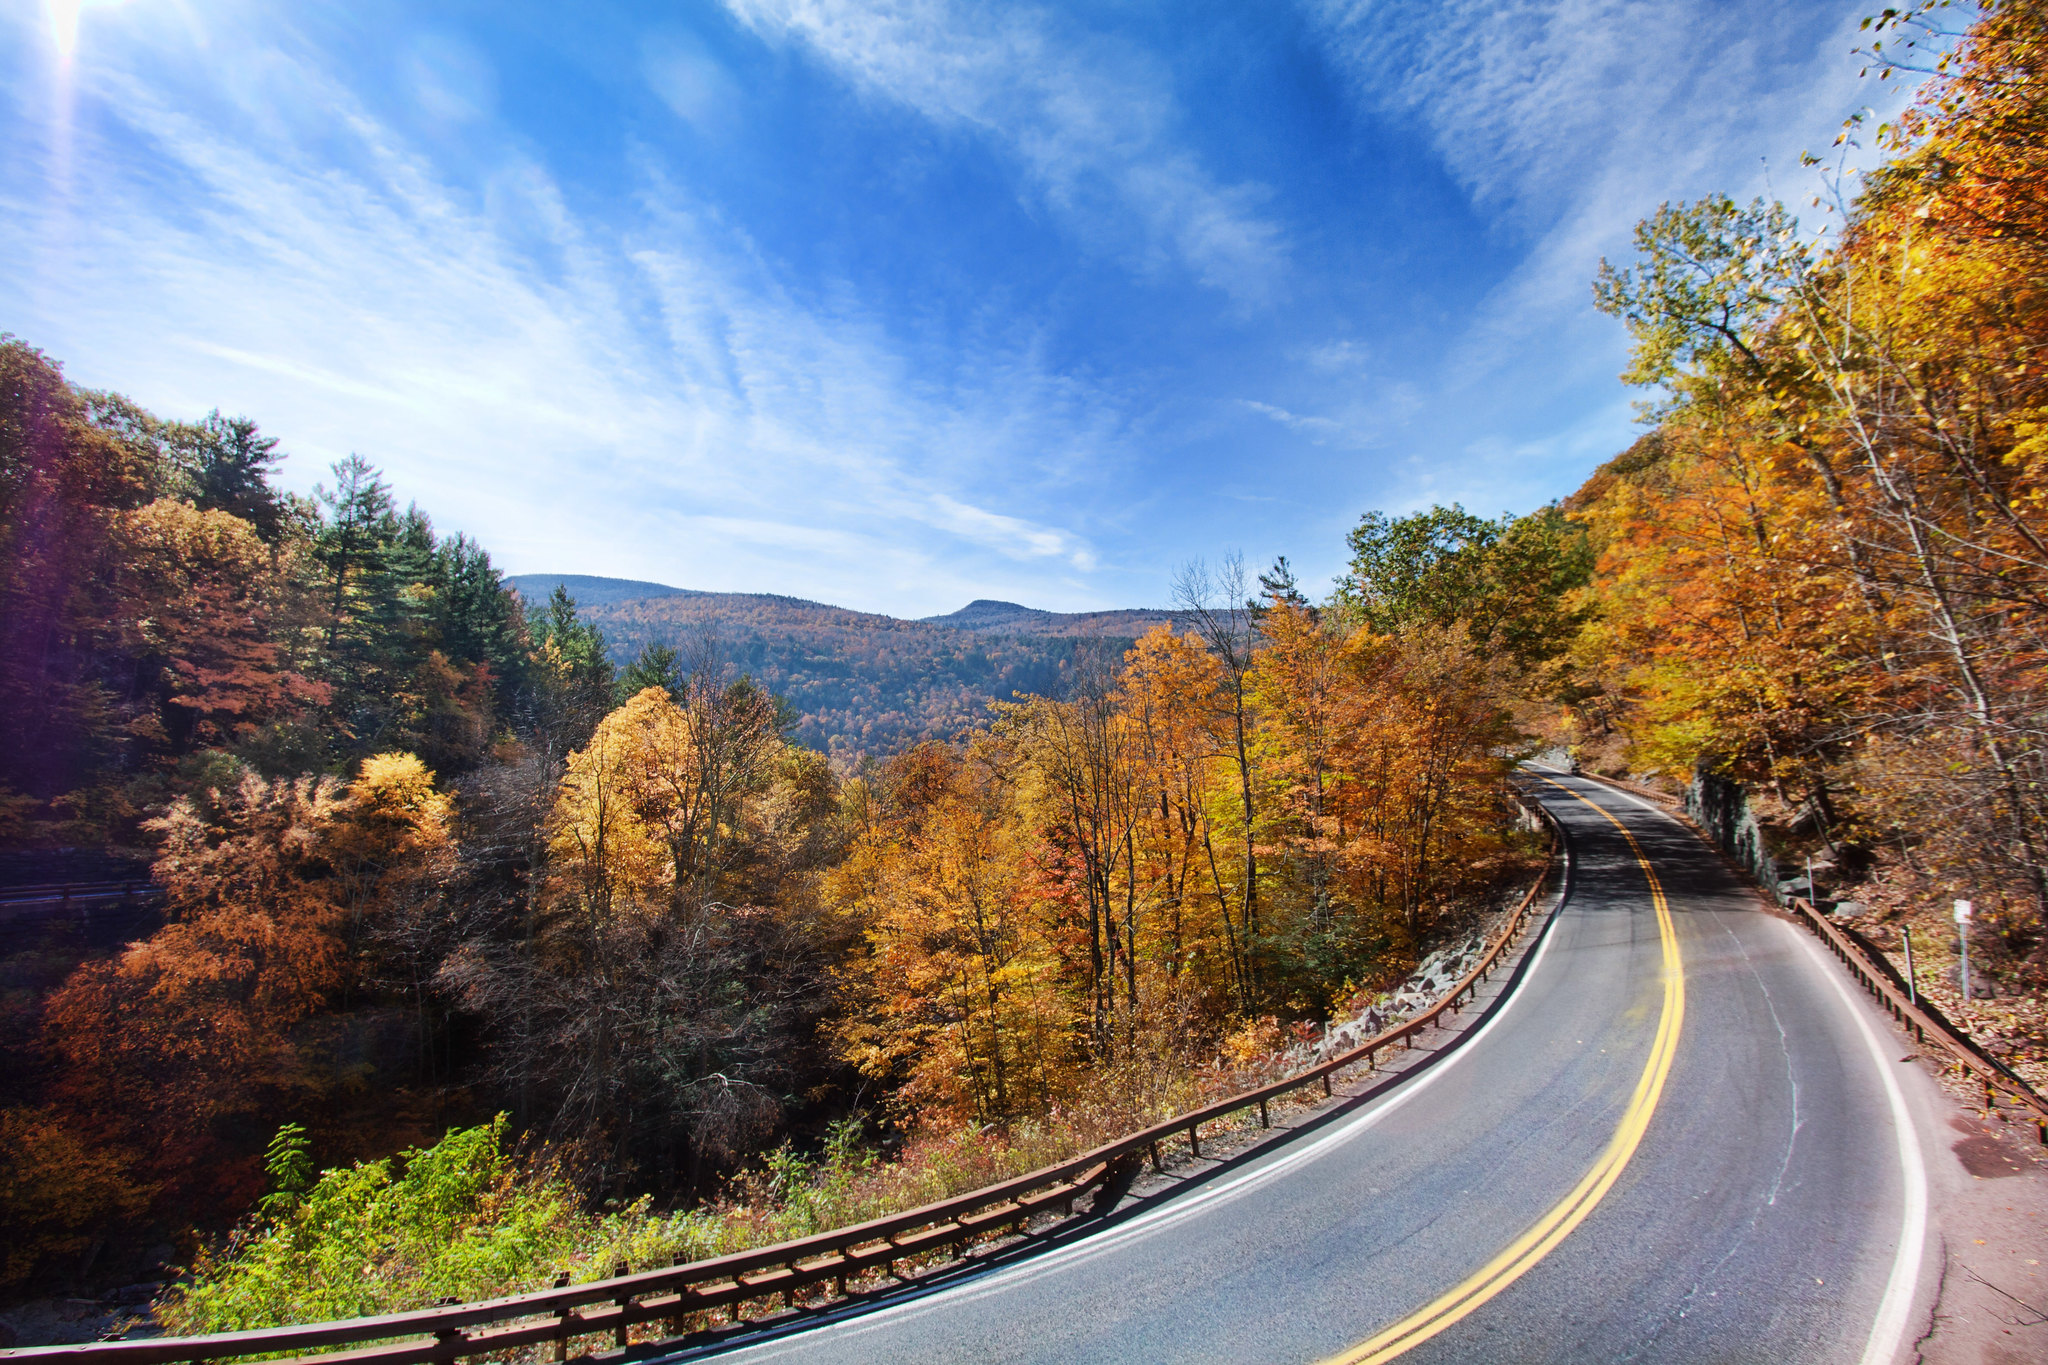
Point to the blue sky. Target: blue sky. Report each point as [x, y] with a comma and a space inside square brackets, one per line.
[892, 305]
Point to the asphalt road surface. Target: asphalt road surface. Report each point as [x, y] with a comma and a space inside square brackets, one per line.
[1673, 1140]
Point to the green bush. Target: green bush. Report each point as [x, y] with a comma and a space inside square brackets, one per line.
[456, 1220]
[462, 1219]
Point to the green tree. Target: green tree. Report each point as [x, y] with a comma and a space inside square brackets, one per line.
[573, 688]
[478, 619]
[1510, 582]
[225, 464]
[658, 666]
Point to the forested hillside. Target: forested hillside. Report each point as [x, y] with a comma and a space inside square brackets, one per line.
[429, 855]
[582, 884]
[1824, 572]
[858, 683]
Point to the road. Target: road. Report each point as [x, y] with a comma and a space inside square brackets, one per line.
[1674, 1140]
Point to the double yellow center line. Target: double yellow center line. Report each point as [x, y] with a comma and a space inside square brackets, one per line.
[1554, 1226]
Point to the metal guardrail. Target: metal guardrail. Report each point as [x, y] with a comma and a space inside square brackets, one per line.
[67, 892]
[1903, 1005]
[673, 1294]
[1926, 1027]
[60, 900]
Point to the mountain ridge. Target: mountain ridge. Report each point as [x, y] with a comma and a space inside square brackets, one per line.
[862, 683]
[982, 614]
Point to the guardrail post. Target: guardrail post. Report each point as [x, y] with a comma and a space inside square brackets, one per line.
[562, 1316]
[620, 1271]
[1194, 1139]
[1326, 1085]
[1264, 1122]
[1156, 1167]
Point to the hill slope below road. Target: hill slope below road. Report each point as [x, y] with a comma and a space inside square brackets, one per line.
[861, 683]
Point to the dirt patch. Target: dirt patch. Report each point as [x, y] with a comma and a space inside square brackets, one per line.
[1985, 1157]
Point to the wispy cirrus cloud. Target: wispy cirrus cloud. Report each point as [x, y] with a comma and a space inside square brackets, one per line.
[1091, 122]
[898, 302]
[1567, 121]
[638, 394]
[1538, 106]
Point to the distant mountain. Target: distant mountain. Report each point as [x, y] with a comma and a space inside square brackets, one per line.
[590, 591]
[862, 683]
[1007, 618]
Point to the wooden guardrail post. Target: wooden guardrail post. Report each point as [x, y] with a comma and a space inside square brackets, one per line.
[562, 1316]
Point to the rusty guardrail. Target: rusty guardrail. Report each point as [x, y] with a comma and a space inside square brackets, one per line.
[57, 900]
[1906, 1009]
[1903, 1005]
[673, 1294]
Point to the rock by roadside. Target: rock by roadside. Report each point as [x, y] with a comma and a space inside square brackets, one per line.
[1431, 981]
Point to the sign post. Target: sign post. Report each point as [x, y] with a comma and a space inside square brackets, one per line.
[1912, 978]
[1964, 910]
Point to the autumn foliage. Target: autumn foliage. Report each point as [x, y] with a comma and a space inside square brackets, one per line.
[1061, 898]
[430, 861]
[430, 858]
[1824, 572]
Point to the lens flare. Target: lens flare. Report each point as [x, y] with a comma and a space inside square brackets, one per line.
[64, 17]
[64, 25]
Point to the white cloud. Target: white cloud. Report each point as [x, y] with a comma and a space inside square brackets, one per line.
[1567, 121]
[636, 397]
[1319, 428]
[690, 81]
[1536, 105]
[1091, 121]
[452, 81]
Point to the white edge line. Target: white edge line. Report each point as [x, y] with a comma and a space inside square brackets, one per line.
[1149, 1224]
[1900, 1287]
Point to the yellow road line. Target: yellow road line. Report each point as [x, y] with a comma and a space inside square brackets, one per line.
[1553, 1227]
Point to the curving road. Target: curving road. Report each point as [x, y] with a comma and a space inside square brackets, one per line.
[1675, 1138]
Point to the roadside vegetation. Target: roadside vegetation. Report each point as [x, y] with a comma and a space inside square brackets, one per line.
[429, 858]
[486, 961]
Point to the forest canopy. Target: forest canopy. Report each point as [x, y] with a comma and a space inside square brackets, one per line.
[430, 853]
[459, 896]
